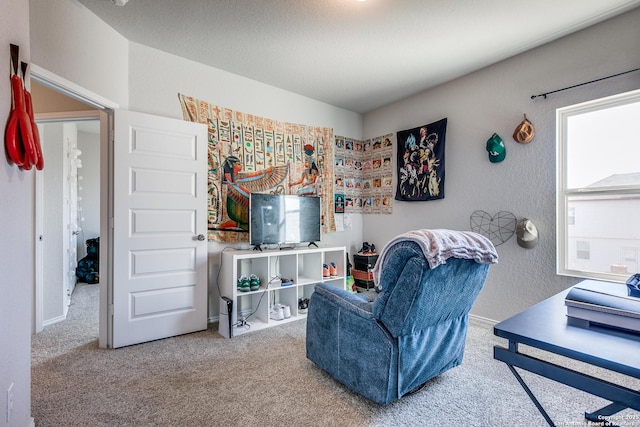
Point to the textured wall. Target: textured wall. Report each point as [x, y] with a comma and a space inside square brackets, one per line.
[71, 42]
[156, 78]
[493, 100]
[17, 231]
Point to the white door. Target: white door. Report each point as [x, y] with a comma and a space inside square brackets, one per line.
[159, 281]
[70, 164]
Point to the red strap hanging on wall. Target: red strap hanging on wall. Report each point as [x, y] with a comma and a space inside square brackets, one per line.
[21, 146]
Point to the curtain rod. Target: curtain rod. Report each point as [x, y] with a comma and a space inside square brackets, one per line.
[544, 95]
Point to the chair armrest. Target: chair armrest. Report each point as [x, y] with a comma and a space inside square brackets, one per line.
[357, 303]
[345, 340]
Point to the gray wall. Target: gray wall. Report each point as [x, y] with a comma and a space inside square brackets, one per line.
[152, 80]
[69, 41]
[155, 80]
[18, 239]
[493, 100]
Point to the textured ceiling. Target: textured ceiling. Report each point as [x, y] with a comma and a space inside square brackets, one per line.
[351, 54]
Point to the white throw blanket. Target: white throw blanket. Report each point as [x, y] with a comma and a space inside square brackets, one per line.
[439, 245]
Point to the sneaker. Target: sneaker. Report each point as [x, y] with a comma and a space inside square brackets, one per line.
[367, 249]
[325, 270]
[333, 270]
[277, 313]
[303, 305]
[286, 311]
[243, 284]
[254, 282]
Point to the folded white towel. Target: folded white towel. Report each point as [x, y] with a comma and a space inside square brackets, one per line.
[438, 245]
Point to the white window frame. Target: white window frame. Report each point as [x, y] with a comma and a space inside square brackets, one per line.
[563, 193]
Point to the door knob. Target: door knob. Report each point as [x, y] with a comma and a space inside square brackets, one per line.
[201, 237]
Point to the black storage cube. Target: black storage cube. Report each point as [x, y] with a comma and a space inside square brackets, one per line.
[363, 266]
[364, 262]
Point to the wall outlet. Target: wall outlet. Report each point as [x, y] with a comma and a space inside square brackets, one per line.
[9, 402]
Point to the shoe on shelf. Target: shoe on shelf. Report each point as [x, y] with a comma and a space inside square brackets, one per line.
[286, 311]
[333, 270]
[277, 313]
[365, 248]
[254, 282]
[303, 305]
[243, 284]
[325, 270]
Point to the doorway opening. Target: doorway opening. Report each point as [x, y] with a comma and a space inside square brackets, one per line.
[153, 240]
[59, 101]
[67, 209]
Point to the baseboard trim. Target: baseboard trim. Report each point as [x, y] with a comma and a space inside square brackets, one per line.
[54, 320]
[489, 322]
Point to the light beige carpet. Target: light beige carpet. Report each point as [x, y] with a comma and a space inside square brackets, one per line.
[263, 379]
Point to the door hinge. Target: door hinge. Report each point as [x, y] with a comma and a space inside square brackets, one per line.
[111, 311]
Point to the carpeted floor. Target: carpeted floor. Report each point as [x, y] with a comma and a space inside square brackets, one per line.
[264, 379]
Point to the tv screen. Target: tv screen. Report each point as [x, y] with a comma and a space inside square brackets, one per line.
[283, 219]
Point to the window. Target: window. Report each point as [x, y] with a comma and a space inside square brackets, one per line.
[571, 216]
[598, 188]
[583, 250]
[629, 260]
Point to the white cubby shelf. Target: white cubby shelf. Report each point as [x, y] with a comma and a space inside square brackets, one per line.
[250, 310]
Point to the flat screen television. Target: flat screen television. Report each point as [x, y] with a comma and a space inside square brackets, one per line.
[283, 219]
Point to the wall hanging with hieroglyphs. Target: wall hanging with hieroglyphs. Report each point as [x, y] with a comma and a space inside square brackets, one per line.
[248, 154]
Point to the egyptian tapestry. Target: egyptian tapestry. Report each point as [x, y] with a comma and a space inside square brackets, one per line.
[363, 174]
[256, 154]
[421, 162]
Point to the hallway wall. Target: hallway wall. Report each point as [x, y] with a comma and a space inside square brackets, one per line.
[17, 251]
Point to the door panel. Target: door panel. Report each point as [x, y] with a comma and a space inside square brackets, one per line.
[160, 208]
[71, 162]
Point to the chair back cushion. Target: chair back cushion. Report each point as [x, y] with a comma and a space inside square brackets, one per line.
[414, 297]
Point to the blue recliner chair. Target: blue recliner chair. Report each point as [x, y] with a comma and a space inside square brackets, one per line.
[413, 331]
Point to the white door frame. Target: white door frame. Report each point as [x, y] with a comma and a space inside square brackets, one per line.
[105, 107]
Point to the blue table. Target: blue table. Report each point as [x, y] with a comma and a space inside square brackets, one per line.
[547, 327]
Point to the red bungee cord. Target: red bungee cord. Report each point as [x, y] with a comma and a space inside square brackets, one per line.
[19, 141]
[28, 103]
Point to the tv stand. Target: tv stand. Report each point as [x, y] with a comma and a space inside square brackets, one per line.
[257, 248]
[312, 243]
[302, 266]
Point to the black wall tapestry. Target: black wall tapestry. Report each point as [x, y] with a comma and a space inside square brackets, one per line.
[421, 162]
